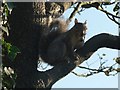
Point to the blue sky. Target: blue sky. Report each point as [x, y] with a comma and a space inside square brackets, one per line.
[97, 22]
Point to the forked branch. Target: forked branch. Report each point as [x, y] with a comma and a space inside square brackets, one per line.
[91, 46]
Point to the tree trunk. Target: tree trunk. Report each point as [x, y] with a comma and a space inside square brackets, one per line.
[25, 38]
[26, 23]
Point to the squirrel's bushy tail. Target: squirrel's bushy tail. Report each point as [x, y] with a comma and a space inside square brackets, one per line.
[56, 28]
[58, 25]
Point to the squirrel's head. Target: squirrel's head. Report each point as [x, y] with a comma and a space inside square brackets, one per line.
[81, 26]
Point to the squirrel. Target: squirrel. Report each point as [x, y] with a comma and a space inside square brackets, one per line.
[59, 43]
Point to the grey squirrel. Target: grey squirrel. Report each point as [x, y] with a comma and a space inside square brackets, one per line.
[59, 43]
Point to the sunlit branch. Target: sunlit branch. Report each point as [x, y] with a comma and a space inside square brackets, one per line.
[105, 70]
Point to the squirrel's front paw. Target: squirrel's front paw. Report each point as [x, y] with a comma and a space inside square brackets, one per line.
[76, 56]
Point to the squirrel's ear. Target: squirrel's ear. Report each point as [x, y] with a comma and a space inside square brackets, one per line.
[85, 22]
[76, 21]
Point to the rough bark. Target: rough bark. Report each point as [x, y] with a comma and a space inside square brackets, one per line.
[25, 36]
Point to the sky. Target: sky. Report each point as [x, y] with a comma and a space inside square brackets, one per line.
[97, 22]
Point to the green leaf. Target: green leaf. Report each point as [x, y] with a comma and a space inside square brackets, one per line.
[8, 46]
[12, 55]
[1, 41]
[7, 12]
[13, 51]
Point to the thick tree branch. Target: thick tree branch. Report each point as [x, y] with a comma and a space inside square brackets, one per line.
[99, 41]
[92, 45]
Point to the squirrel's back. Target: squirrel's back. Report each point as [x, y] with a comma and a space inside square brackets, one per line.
[55, 28]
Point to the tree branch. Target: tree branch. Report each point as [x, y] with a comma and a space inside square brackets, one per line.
[75, 11]
[92, 45]
[112, 16]
[106, 70]
[98, 6]
[99, 41]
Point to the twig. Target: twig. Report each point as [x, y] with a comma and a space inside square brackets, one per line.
[112, 15]
[75, 11]
[90, 69]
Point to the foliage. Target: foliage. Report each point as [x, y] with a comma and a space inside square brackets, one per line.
[9, 50]
[5, 14]
[8, 78]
